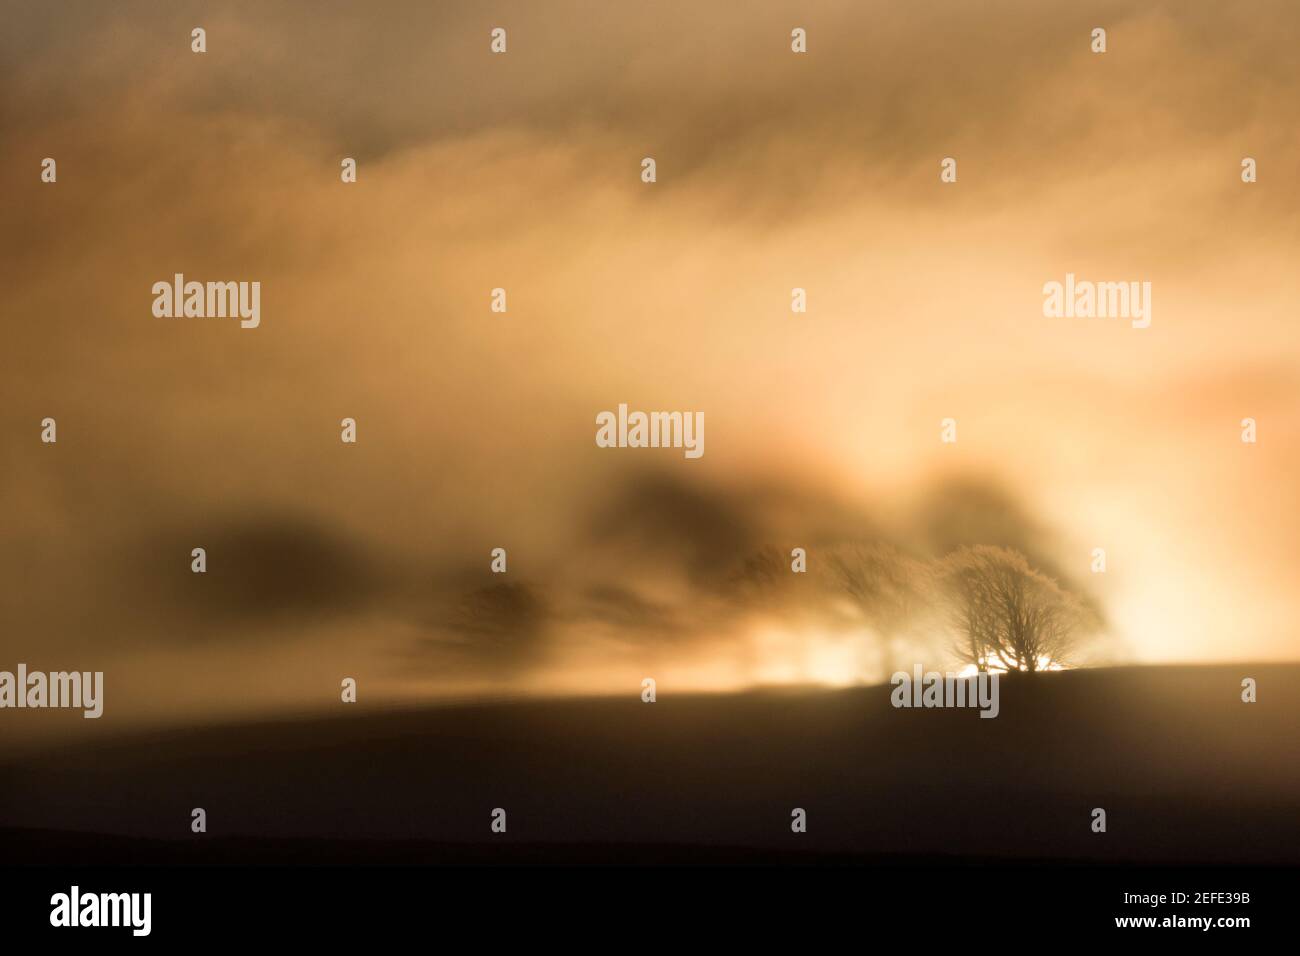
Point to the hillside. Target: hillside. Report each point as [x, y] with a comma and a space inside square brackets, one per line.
[1186, 772]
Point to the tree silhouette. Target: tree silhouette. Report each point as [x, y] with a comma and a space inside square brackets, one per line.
[1006, 615]
[887, 587]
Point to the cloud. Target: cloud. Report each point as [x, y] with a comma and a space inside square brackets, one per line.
[475, 429]
[264, 571]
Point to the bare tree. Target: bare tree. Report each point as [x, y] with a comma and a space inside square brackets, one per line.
[887, 587]
[968, 605]
[1005, 614]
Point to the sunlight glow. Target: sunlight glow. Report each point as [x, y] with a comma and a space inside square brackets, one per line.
[1045, 663]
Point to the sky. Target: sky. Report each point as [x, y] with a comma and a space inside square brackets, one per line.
[476, 429]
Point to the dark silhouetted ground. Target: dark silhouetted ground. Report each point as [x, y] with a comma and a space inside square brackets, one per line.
[1186, 772]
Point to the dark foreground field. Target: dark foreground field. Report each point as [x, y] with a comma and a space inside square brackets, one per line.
[1186, 772]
